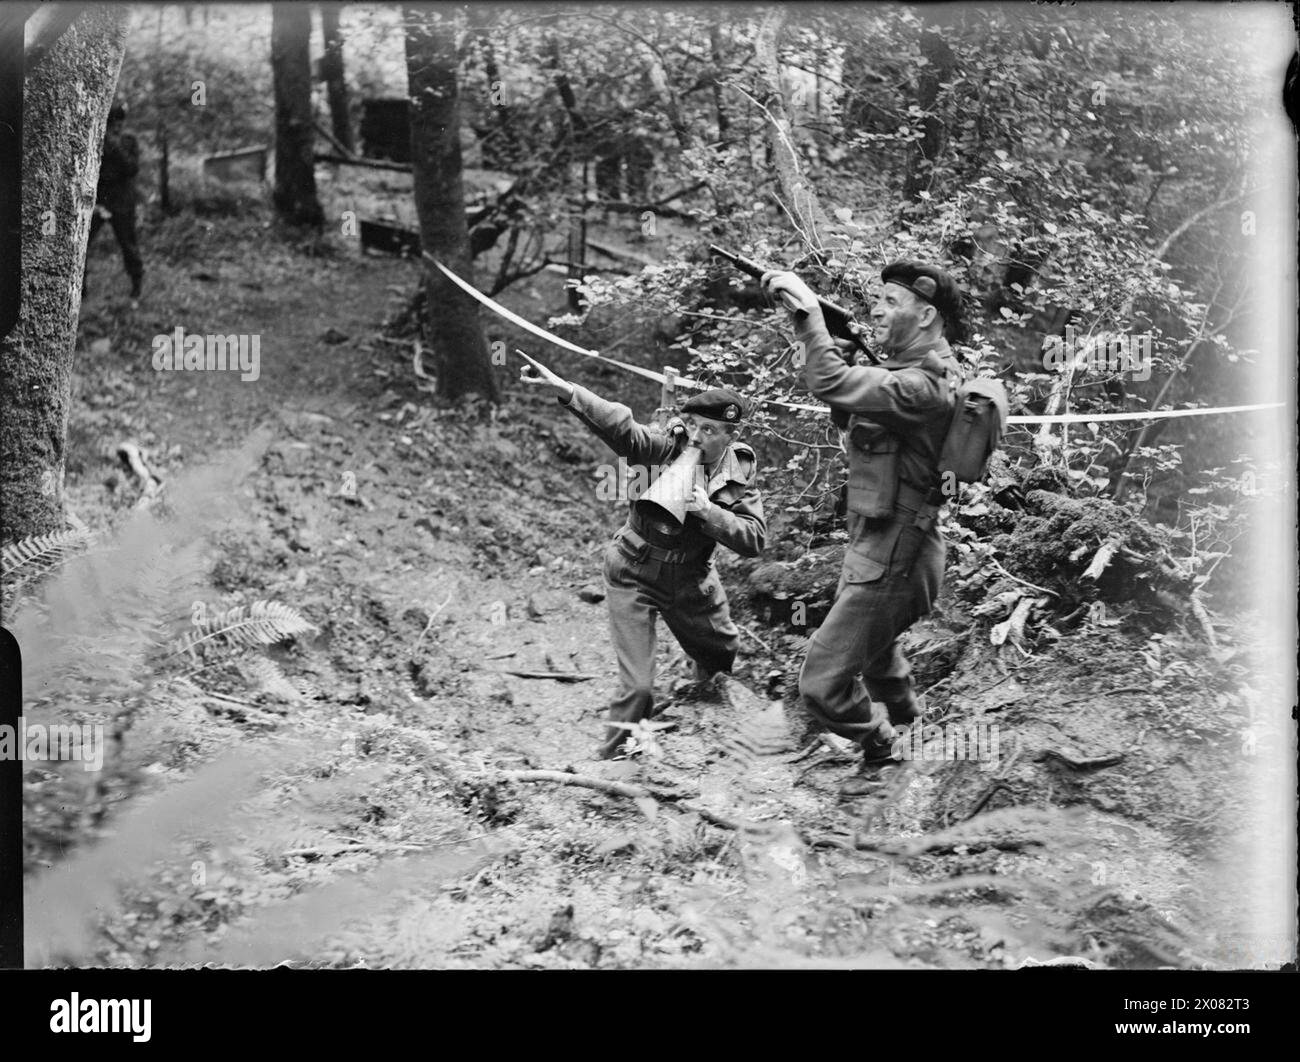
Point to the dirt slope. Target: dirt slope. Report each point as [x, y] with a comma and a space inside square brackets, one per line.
[437, 553]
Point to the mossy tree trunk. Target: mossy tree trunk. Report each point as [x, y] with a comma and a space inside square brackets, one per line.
[67, 95]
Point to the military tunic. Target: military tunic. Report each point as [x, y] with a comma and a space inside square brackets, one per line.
[854, 678]
[651, 570]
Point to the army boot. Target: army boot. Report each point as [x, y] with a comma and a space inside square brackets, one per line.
[876, 755]
[907, 709]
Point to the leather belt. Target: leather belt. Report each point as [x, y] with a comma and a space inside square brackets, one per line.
[663, 556]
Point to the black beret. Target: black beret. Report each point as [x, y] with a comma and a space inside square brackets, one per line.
[721, 403]
[930, 284]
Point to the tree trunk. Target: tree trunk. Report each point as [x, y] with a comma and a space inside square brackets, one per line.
[460, 352]
[295, 172]
[715, 53]
[335, 86]
[500, 144]
[802, 204]
[938, 69]
[64, 114]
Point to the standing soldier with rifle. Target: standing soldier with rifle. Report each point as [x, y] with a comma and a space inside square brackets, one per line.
[115, 196]
[854, 679]
[660, 562]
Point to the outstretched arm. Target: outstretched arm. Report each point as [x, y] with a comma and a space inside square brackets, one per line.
[612, 422]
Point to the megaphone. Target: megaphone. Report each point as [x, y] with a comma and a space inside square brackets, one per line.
[665, 503]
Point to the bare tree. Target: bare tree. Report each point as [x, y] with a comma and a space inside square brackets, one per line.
[67, 94]
[295, 171]
[460, 353]
[336, 87]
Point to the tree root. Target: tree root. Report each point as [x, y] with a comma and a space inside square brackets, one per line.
[622, 789]
[1084, 763]
[936, 844]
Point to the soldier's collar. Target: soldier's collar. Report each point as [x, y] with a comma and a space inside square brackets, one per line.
[917, 352]
[727, 471]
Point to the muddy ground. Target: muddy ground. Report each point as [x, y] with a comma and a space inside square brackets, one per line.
[377, 808]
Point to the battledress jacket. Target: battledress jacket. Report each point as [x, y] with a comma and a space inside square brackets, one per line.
[735, 519]
[900, 412]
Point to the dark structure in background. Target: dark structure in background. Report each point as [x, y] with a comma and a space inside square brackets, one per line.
[386, 129]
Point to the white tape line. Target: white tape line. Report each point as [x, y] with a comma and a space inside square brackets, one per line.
[1060, 418]
[1157, 414]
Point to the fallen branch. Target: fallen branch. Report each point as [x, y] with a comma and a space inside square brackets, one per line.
[432, 616]
[615, 252]
[998, 786]
[1022, 582]
[1101, 559]
[755, 638]
[343, 849]
[938, 844]
[133, 460]
[559, 676]
[927, 846]
[1084, 763]
[622, 789]
[349, 155]
[1203, 618]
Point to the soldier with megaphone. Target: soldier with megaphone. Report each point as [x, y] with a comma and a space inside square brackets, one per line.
[661, 561]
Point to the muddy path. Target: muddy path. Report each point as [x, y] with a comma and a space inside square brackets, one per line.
[452, 566]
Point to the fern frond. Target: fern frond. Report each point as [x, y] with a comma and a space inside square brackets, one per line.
[265, 675]
[36, 554]
[261, 623]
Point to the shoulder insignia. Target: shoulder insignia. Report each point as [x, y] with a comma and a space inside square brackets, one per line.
[746, 459]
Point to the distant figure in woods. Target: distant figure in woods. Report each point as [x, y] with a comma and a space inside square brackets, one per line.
[115, 196]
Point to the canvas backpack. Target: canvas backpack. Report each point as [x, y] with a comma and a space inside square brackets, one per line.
[978, 420]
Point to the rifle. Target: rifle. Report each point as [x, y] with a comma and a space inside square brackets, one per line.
[839, 322]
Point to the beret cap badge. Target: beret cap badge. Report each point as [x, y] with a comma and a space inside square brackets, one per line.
[718, 403]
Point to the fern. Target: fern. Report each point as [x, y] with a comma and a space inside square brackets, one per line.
[261, 623]
[32, 557]
[264, 675]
